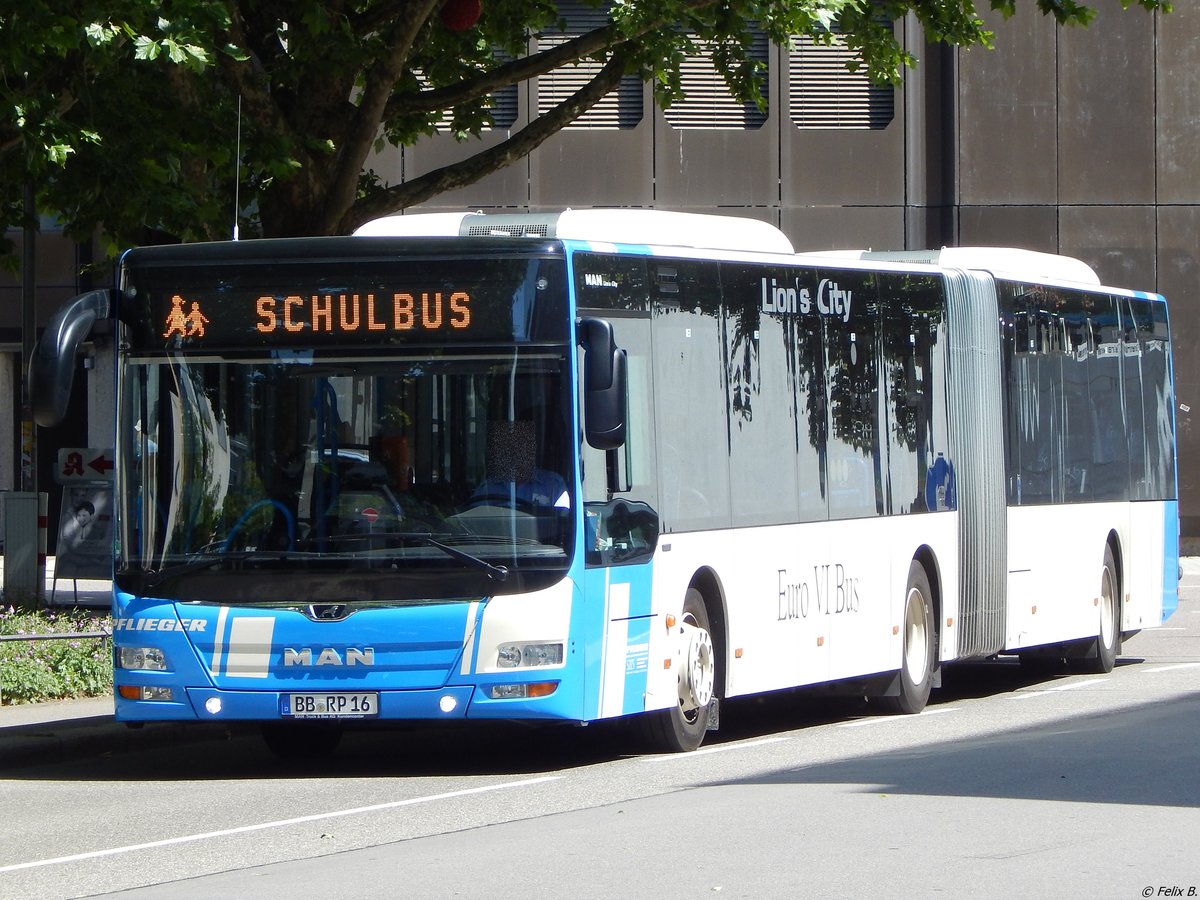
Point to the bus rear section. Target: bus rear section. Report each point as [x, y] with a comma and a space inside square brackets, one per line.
[1091, 490]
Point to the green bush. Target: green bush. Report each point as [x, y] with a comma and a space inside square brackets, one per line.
[54, 669]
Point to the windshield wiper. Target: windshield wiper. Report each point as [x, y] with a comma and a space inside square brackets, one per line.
[496, 573]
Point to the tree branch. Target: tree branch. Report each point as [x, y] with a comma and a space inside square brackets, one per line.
[11, 136]
[377, 15]
[380, 85]
[245, 79]
[472, 169]
[513, 72]
[524, 68]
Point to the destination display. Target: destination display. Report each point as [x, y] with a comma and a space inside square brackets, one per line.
[306, 304]
[349, 313]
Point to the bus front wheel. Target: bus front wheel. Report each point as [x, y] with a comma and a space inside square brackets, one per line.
[919, 647]
[681, 727]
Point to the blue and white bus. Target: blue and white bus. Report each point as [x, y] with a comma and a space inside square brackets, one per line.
[599, 464]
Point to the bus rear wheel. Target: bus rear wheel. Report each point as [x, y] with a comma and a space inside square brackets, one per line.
[682, 727]
[1108, 641]
[919, 645]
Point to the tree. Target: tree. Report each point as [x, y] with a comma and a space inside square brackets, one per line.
[52, 56]
[138, 114]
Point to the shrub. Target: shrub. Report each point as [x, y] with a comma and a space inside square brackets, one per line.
[53, 669]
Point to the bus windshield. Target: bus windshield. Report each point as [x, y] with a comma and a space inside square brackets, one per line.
[403, 477]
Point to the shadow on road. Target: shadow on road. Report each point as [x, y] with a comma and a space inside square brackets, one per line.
[1146, 755]
[387, 750]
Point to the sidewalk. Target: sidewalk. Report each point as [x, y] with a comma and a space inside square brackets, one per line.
[90, 593]
[64, 730]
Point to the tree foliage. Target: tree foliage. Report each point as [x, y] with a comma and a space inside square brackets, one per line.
[131, 116]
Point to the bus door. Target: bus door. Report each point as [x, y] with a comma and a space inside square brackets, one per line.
[621, 528]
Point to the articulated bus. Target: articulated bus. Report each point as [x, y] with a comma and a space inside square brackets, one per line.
[599, 464]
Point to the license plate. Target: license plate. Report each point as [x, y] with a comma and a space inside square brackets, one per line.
[330, 705]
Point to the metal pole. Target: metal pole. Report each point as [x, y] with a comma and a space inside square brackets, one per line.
[28, 448]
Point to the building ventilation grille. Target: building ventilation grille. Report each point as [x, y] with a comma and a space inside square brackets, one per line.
[709, 104]
[503, 103]
[620, 109]
[826, 95]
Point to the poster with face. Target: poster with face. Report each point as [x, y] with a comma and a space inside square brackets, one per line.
[85, 532]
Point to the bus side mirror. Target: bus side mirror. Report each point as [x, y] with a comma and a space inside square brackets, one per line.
[605, 385]
[52, 364]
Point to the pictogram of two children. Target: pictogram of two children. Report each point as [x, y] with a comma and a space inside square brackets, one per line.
[185, 325]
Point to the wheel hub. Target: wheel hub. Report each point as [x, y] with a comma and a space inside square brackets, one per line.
[698, 673]
[915, 636]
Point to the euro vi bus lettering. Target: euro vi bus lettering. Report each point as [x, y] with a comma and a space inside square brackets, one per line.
[832, 592]
[831, 300]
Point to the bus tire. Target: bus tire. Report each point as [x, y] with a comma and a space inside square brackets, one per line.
[919, 645]
[675, 730]
[1108, 639]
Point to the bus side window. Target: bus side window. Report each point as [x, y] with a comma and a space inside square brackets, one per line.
[1110, 448]
[1148, 389]
[1079, 422]
[855, 462]
[913, 325]
[689, 379]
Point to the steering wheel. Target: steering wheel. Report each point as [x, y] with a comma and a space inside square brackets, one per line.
[258, 504]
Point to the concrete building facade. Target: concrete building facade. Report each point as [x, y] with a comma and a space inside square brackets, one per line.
[1084, 142]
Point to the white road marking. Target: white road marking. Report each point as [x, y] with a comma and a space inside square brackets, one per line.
[884, 720]
[721, 748]
[1173, 667]
[280, 823]
[1069, 686]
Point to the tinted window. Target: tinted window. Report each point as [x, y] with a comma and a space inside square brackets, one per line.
[913, 358]
[689, 378]
[1149, 356]
[1088, 396]
[1110, 414]
[760, 363]
[850, 314]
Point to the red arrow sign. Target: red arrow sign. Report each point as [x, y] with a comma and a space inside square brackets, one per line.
[92, 464]
[101, 464]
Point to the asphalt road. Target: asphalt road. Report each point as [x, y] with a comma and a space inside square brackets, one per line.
[1006, 786]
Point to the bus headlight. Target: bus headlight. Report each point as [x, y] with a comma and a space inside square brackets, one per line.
[145, 659]
[510, 656]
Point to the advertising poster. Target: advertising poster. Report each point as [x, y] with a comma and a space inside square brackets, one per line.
[85, 532]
